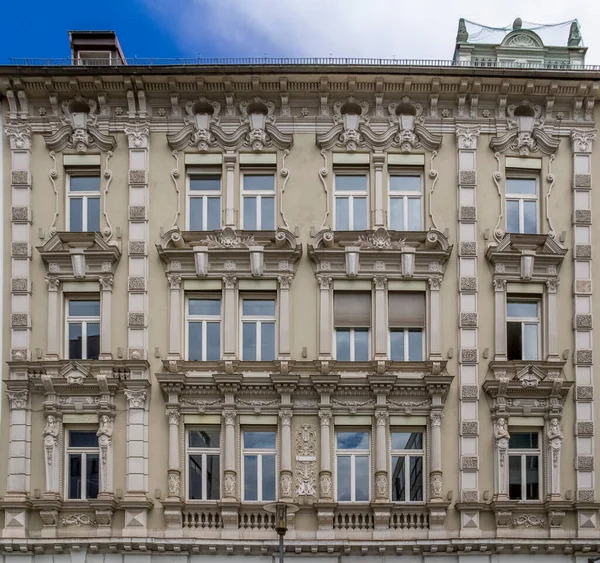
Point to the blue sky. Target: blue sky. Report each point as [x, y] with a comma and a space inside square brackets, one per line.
[212, 28]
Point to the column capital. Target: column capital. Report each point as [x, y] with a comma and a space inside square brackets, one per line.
[325, 417]
[136, 399]
[285, 280]
[174, 281]
[17, 399]
[552, 285]
[436, 418]
[52, 282]
[435, 283]
[173, 415]
[106, 281]
[325, 281]
[286, 416]
[379, 282]
[381, 417]
[499, 284]
[229, 281]
[229, 417]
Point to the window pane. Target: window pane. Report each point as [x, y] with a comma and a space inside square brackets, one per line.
[361, 478]
[398, 479]
[259, 182]
[397, 214]
[82, 439]
[214, 213]
[355, 183]
[259, 440]
[205, 438]
[92, 474]
[213, 341]
[352, 440]
[75, 348]
[258, 307]
[196, 206]
[268, 477]
[344, 478]
[532, 477]
[530, 217]
[205, 183]
[361, 345]
[416, 479]
[360, 214]
[520, 309]
[204, 307]
[514, 349]
[267, 213]
[407, 440]
[523, 440]
[249, 341]
[415, 345]
[76, 214]
[514, 477]
[342, 345]
[414, 214]
[195, 342]
[250, 477]
[401, 183]
[93, 215]
[84, 184]
[75, 476]
[213, 477]
[342, 214]
[267, 342]
[79, 308]
[521, 186]
[512, 216]
[250, 213]
[397, 345]
[530, 342]
[195, 477]
[93, 341]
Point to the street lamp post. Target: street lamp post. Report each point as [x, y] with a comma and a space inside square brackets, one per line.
[281, 510]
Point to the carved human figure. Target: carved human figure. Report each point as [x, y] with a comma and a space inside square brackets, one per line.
[50, 431]
[554, 433]
[501, 433]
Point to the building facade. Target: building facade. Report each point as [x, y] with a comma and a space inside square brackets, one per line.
[363, 288]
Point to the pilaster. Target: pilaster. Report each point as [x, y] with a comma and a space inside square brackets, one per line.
[380, 299]
[325, 315]
[106, 283]
[284, 318]
[230, 317]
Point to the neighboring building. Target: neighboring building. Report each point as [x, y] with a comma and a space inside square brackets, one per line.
[364, 287]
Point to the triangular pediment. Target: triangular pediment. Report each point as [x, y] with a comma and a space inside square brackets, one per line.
[65, 241]
[75, 373]
[530, 376]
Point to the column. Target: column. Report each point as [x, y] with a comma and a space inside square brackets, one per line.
[175, 310]
[53, 333]
[106, 283]
[435, 327]
[381, 456]
[284, 319]
[137, 455]
[230, 159]
[381, 317]
[105, 431]
[378, 163]
[51, 455]
[435, 475]
[501, 437]
[229, 473]
[174, 475]
[500, 316]
[551, 289]
[325, 321]
[285, 473]
[230, 317]
[325, 477]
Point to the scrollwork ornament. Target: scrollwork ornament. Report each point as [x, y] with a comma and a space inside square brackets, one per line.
[108, 175]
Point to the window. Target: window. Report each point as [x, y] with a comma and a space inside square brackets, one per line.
[259, 465]
[351, 207]
[204, 470]
[353, 466]
[522, 330]
[352, 321]
[407, 466]
[83, 328]
[83, 463]
[258, 202]
[94, 58]
[524, 466]
[521, 205]
[84, 202]
[405, 207]
[406, 320]
[258, 329]
[203, 329]
[204, 202]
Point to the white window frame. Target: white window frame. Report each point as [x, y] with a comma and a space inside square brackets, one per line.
[84, 196]
[406, 350]
[520, 198]
[405, 196]
[353, 454]
[526, 321]
[352, 341]
[523, 453]
[99, 51]
[84, 321]
[204, 452]
[204, 319]
[258, 319]
[407, 454]
[351, 195]
[204, 196]
[259, 453]
[258, 194]
[84, 452]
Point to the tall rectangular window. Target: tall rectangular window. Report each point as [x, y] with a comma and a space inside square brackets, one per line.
[353, 454]
[406, 319]
[523, 329]
[408, 466]
[83, 465]
[258, 329]
[203, 328]
[521, 205]
[405, 202]
[204, 202]
[84, 202]
[258, 201]
[83, 328]
[352, 323]
[204, 469]
[259, 465]
[351, 202]
[524, 466]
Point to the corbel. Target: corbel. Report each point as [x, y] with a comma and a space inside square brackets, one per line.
[283, 84]
[529, 87]
[352, 84]
[201, 260]
[352, 260]
[78, 262]
[407, 84]
[502, 106]
[23, 104]
[200, 84]
[131, 104]
[12, 104]
[589, 109]
[577, 104]
[53, 98]
[285, 104]
[323, 87]
[103, 103]
[434, 98]
[48, 384]
[379, 84]
[143, 110]
[49, 84]
[527, 262]
[549, 107]
[74, 84]
[379, 104]
[473, 106]
[255, 79]
[230, 108]
[174, 104]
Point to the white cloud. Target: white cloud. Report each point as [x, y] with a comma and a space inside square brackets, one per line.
[425, 29]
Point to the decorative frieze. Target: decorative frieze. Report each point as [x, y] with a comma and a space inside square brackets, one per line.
[468, 248]
[468, 319]
[137, 212]
[467, 213]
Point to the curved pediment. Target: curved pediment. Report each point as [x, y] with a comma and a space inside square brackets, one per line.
[523, 39]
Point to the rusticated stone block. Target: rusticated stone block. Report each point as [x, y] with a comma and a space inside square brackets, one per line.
[467, 177]
[136, 283]
[469, 392]
[583, 250]
[20, 213]
[468, 319]
[19, 320]
[20, 177]
[468, 248]
[468, 284]
[137, 212]
[137, 319]
[583, 216]
[468, 213]
[470, 496]
[586, 495]
[585, 428]
[137, 176]
[583, 286]
[583, 321]
[469, 462]
[468, 355]
[19, 285]
[583, 357]
[584, 392]
[470, 428]
[585, 462]
[20, 249]
[583, 180]
[137, 247]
